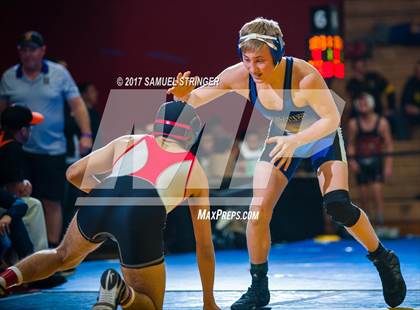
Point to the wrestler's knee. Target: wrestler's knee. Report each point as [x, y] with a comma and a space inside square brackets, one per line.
[68, 258]
[62, 253]
[338, 205]
[263, 214]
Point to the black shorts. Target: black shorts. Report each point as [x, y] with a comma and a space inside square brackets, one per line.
[371, 170]
[137, 229]
[47, 175]
[319, 152]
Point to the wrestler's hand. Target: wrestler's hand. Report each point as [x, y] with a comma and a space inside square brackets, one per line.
[283, 151]
[183, 86]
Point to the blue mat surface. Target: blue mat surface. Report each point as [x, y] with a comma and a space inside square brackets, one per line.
[303, 275]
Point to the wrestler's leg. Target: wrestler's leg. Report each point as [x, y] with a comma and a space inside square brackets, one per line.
[40, 265]
[138, 232]
[145, 287]
[333, 176]
[333, 180]
[268, 184]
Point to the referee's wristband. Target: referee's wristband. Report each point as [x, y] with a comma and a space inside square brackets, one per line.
[86, 135]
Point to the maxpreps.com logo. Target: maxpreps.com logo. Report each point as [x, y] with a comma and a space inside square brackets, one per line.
[204, 214]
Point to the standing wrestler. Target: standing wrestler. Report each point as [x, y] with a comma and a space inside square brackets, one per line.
[261, 77]
[148, 176]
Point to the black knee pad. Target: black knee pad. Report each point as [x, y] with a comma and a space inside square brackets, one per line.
[338, 205]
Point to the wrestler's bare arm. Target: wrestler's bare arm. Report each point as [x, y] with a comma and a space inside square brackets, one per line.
[314, 91]
[199, 202]
[82, 173]
[234, 78]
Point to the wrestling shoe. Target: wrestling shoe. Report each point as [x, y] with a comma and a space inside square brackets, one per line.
[110, 291]
[257, 295]
[393, 284]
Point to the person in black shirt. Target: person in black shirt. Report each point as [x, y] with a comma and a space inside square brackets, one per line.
[410, 101]
[89, 94]
[371, 82]
[16, 122]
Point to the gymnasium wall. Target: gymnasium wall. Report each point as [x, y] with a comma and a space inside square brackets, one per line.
[101, 40]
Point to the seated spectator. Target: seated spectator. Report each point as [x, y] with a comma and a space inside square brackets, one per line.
[16, 122]
[407, 33]
[369, 136]
[250, 151]
[12, 209]
[410, 102]
[5, 245]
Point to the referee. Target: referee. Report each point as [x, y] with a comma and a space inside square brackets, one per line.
[45, 87]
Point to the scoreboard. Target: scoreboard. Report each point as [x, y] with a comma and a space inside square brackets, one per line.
[327, 55]
[325, 43]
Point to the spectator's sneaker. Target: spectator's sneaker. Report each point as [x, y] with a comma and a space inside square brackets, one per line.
[393, 285]
[257, 296]
[110, 291]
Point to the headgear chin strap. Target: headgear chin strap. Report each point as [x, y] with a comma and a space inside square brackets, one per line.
[276, 45]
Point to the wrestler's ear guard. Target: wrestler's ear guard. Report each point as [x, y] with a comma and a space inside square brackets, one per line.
[277, 46]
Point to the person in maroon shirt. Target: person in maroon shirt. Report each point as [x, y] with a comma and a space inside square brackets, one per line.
[369, 137]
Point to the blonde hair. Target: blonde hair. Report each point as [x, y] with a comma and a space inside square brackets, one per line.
[260, 25]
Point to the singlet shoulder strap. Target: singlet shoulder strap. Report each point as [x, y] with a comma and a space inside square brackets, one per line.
[288, 73]
[288, 79]
[252, 90]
